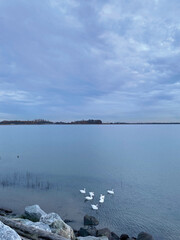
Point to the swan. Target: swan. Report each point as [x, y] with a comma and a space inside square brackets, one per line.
[110, 191]
[94, 207]
[102, 196]
[83, 191]
[101, 200]
[91, 194]
[89, 198]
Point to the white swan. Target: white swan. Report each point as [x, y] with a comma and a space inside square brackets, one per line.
[83, 191]
[91, 194]
[94, 207]
[101, 200]
[89, 198]
[110, 191]
[102, 196]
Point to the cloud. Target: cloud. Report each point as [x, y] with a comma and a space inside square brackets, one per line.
[108, 59]
[20, 97]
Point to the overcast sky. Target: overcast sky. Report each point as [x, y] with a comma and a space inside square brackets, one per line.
[115, 60]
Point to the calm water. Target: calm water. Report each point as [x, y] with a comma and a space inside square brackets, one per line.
[141, 163]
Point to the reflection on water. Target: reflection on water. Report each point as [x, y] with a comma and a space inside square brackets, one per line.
[141, 163]
[27, 180]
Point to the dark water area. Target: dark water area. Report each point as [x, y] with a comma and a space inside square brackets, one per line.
[48, 165]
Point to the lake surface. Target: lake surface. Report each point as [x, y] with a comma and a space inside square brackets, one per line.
[48, 165]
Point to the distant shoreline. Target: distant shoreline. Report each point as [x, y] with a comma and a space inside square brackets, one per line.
[81, 122]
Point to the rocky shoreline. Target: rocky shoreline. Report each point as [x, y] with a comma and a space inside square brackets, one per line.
[35, 224]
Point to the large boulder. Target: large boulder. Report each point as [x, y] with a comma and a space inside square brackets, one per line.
[104, 232]
[90, 220]
[58, 225]
[34, 213]
[144, 236]
[38, 225]
[92, 238]
[6, 233]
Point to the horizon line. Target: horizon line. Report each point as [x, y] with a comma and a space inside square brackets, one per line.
[79, 122]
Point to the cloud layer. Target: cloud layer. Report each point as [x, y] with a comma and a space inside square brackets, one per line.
[75, 59]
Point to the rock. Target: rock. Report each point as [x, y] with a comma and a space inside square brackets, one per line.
[89, 231]
[6, 210]
[124, 237]
[38, 225]
[144, 236]
[104, 232]
[83, 232]
[92, 231]
[52, 219]
[6, 233]
[114, 236]
[92, 238]
[58, 225]
[90, 220]
[2, 213]
[34, 213]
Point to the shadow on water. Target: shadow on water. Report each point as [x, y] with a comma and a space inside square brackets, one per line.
[27, 180]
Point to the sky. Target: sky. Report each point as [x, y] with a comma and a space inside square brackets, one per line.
[115, 60]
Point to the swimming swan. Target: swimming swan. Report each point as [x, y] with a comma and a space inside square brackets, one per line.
[83, 191]
[102, 196]
[101, 200]
[89, 198]
[91, 194]
[110, 191]
[94, 207]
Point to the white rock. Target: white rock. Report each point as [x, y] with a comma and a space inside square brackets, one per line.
[51, 219]
[34, 212]
[57, 224]
[38, 225]
[6, 233]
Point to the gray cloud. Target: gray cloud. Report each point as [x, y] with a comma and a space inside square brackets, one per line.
[115, 60]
